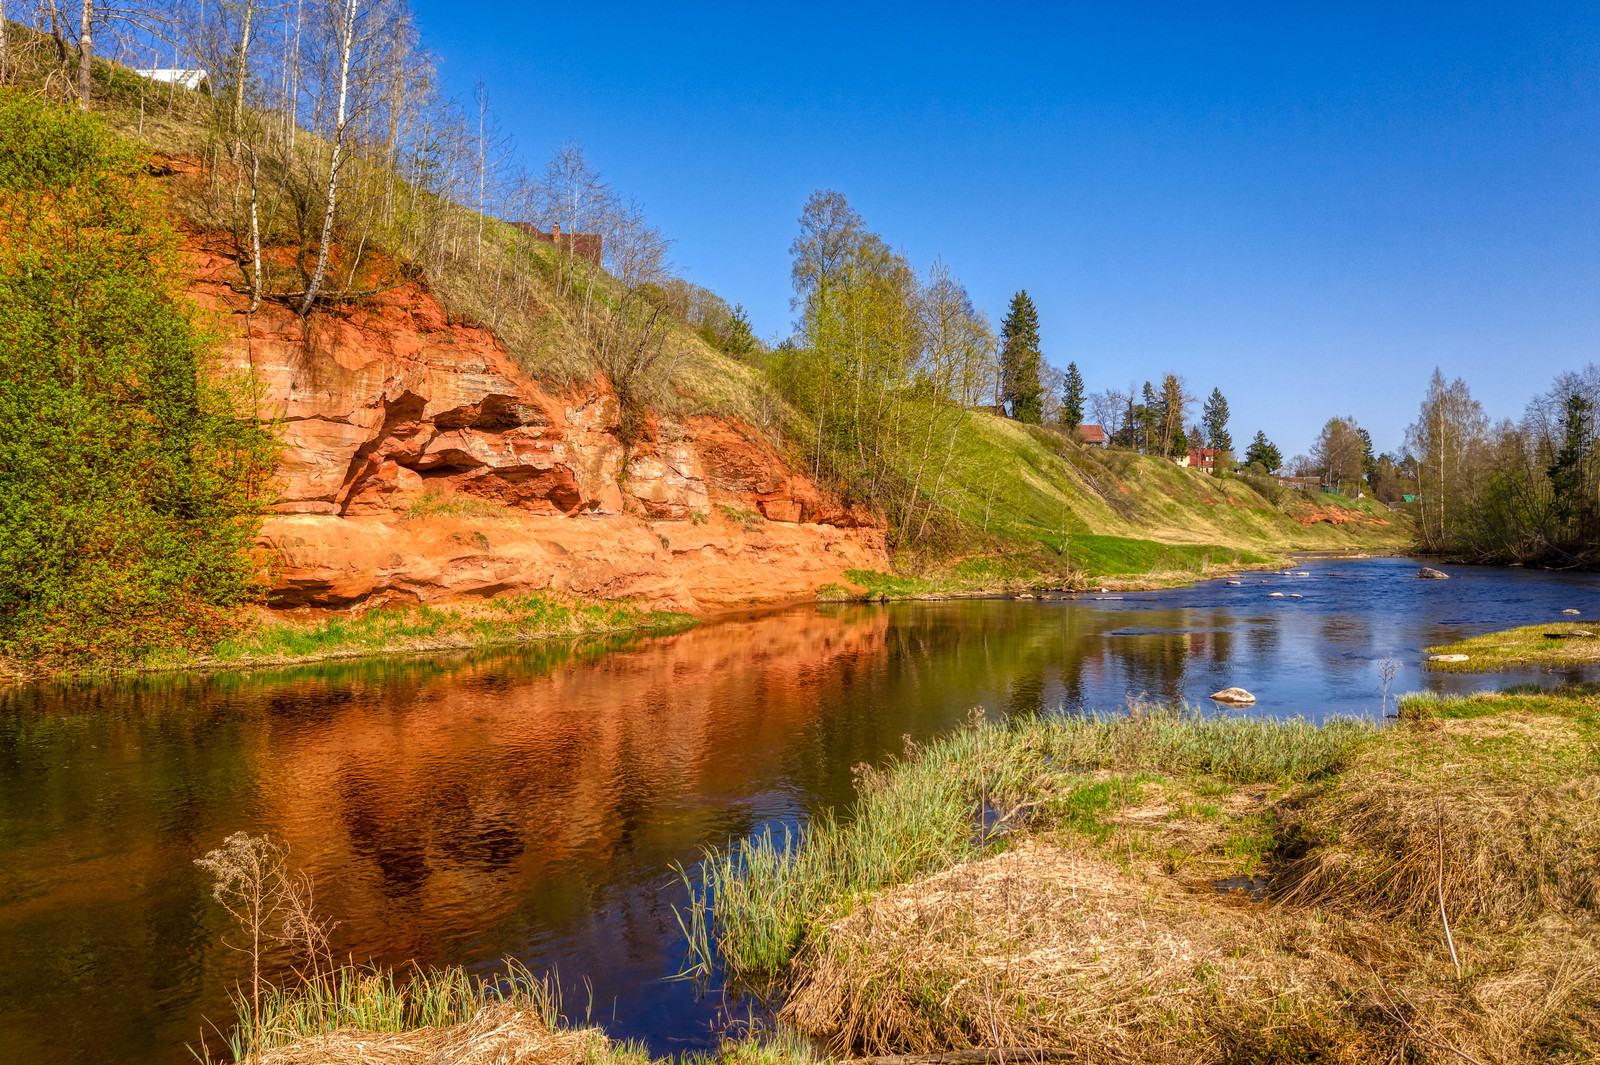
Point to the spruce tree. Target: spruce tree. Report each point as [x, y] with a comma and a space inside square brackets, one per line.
[1151, 415]
[1020, 361]
[1216, 422]
[1072, 398]
[1262, 450]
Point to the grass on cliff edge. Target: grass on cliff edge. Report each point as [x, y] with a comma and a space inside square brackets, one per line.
[1064, 884]
[402, 629]
[1525, 646]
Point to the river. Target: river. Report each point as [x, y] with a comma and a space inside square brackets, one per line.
[531, 802]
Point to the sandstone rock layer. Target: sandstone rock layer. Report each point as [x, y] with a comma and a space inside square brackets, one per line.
[421, 463]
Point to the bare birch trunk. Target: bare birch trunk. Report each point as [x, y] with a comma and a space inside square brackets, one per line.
[238, 86]
[85, 54]
[346, 44]
[255, 234]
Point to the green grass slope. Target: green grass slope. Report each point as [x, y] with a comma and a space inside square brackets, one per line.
[1061, 507]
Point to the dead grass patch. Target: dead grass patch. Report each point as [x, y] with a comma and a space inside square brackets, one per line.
[1500, 814]
[501, 1034]
[1044, 947]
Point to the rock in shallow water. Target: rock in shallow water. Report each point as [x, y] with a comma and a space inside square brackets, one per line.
[1448, 658]
[1234, 697]
[1428, 573]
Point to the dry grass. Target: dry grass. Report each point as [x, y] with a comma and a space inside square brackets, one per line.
[1501, 814]
[1521, 647]
[1050, 948]
[1102, 934]
[505, 1033]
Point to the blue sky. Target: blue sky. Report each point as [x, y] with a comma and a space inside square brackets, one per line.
[1308, 206]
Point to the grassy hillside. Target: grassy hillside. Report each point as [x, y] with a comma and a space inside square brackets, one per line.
[1036, 503]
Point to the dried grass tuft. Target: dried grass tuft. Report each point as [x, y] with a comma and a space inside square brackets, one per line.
[499, 1034]
[1501, 815]
[1046, 948]
[1051, 949]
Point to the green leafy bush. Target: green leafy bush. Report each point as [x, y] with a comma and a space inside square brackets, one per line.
[131, 469]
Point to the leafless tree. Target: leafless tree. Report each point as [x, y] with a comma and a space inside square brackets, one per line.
[1107, 409]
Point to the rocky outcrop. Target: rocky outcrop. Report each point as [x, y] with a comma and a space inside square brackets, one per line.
[420, 463]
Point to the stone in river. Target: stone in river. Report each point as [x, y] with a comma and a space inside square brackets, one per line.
[1569, 610]
[1296, 595]
[1274, 595]
[1428, 573]
[1448, 658]
[1236, 582]
[1234, 697]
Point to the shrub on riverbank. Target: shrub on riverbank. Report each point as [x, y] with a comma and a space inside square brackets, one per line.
[1429, 892]
[131, 469]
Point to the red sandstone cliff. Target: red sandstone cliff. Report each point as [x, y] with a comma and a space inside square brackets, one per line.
[390, 402]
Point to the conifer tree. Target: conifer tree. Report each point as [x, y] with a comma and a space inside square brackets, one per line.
[1216, 422]
[1151, 415]
[1072, 398]
[1020, 361]
[1262, 450]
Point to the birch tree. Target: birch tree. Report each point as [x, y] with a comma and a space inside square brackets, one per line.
[344, 28]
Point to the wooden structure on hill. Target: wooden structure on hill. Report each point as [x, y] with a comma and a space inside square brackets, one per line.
[588, 246]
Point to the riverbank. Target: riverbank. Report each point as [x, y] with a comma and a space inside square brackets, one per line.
[1176, 887]
[1561, 644]
[269, 640]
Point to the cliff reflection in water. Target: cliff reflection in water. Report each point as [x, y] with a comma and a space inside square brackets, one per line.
[531, 801]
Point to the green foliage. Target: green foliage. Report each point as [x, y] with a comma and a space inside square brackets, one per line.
[1215, 418]
[1263, 452]
[1021, 361]
[1072, 398]
[131, 470]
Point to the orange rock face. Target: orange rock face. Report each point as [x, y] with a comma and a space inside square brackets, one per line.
[391, 403]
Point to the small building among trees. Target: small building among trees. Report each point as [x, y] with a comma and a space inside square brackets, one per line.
[587, 246]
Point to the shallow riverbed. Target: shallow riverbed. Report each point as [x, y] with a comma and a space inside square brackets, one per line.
[531, 802]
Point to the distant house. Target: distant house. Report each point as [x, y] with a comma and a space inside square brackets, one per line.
[583, 245]
[189, 79]
[1304, 484]
[1201, 458]
[1092, 434]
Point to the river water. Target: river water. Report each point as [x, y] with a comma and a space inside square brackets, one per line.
[531, 802]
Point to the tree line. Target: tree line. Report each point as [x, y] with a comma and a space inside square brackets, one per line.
[1524, 490]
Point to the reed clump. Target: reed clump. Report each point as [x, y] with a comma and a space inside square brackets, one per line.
[372, 1017]
[753, 904]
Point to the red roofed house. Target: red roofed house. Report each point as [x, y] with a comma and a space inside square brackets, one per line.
[1092, 434]
[1202, 458]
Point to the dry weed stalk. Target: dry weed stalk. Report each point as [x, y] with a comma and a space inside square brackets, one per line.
[272, 906]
